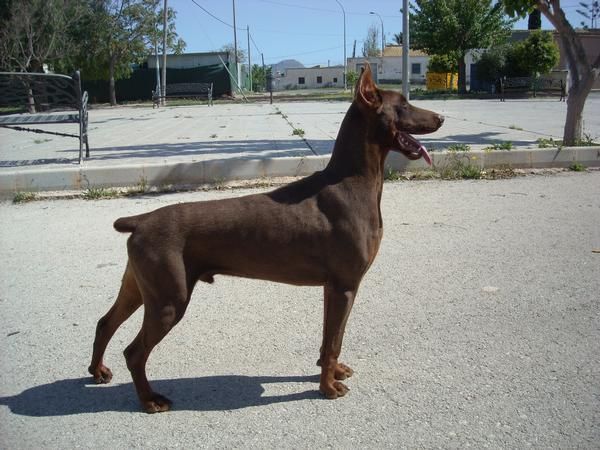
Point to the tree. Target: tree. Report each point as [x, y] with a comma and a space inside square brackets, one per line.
[127, 23]
[491, 65]
[398, 38]
[36, 32]
[371, 45]
[445, 26]
[582, 73]
[259, 77]
[352, 78]
[154, 37]
[120, 33]
[443, 63]
[230, 49]
[541, 52]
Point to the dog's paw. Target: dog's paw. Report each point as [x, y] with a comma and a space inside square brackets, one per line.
[334, 390]
[157, 403]
[342, 371]
[101, 374]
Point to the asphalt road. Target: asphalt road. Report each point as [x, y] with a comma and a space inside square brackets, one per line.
[478, 325]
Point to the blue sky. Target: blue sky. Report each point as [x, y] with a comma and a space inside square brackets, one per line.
[310, 31]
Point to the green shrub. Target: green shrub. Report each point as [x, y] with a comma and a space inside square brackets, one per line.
[443, 63]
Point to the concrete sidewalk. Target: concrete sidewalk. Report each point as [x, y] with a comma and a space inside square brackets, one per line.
[476, 327]
[198, 144]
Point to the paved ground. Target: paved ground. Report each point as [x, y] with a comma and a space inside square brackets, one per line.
[477, 326]
[230, 132]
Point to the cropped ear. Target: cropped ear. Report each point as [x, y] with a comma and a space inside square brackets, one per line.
[367, 94]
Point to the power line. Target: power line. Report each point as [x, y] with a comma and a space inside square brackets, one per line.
[215, 17]
[225, 23]
[310, 8]
[254, 43]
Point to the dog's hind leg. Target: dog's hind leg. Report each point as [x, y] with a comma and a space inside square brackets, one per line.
[166, 294]
[338, 303]
[128, 301]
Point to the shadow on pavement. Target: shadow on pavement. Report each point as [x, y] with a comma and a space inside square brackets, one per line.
[238, 149]
[217, 393]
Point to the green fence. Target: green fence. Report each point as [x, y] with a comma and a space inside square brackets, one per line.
[142, 82]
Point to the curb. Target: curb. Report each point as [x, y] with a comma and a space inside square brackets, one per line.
[515, 159]
[202, 172]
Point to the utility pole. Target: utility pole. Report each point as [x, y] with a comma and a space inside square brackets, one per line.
[249, 64]
[405, 50]
[158, 87]
[345, 63]
[235, 51]
[163, 90]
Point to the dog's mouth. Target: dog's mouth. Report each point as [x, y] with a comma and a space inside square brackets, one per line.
[411, 147]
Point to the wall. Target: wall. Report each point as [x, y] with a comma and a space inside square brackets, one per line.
[310, 74]
[189, 60]
[389, 68]
[590, 40]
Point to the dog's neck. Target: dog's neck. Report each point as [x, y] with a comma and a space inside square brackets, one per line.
[356, 153]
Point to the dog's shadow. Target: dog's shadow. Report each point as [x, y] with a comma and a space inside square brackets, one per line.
[218, 393]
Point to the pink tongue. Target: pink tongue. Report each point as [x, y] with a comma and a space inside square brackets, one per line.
[424, 154]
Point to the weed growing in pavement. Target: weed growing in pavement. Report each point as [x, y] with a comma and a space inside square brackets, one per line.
[94, 193]
[548, 143]
[587, 141]
[460, 167]
[140, 188]
[298, 132]
[506, 145]
[391, 174]
[577, 167]
[23, 197]
[459, 148]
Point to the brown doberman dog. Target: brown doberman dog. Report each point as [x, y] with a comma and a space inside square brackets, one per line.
[323, 230]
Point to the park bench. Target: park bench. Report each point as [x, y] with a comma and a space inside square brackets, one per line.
[185, 90]
[535, 86]
[41, 98]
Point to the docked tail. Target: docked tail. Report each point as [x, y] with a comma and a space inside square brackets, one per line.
[127, 224]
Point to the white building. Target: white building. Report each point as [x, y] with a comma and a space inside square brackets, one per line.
[389, 67]
[310, 77]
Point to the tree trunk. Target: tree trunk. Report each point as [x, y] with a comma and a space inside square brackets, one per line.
[573, 124]
[578, 93]
[462, 75]
[582, 74]
[111, 80]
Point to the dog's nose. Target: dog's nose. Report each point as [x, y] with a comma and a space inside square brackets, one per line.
[441, 119]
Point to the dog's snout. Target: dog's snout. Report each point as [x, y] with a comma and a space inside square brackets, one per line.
[440, 119]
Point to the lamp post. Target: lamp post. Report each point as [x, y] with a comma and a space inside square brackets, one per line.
[345, 64]
[382, 32]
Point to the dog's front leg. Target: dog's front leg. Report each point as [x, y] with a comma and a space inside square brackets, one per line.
[338, 303]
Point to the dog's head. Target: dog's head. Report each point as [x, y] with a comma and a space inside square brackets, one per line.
[395, 120]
